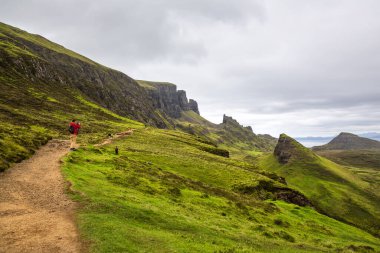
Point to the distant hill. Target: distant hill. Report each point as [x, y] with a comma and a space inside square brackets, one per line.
[372, 135]
[348, 141]
[310, 141]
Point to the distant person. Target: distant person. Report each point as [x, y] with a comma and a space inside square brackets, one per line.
[74, 130]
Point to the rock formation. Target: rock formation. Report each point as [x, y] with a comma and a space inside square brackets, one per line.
[39, 60]
[234, 132]
[287, 148]
[168, 99]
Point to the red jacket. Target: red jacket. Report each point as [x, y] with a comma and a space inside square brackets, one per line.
[76, 127]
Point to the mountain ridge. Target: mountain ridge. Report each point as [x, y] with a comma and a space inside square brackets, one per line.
[45, 85]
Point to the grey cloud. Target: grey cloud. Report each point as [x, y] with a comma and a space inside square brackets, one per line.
[119, 32]
[302, 67]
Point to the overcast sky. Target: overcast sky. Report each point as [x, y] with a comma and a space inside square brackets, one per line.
[303, 67]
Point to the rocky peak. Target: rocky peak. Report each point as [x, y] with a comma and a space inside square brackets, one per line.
[288, 148]
[194, 106]
[231, 122]
[167, 98]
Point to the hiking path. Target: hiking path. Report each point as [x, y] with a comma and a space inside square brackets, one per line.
[36, 215]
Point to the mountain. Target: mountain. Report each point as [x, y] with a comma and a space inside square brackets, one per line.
[371, 135]
[311, 141]
[45, 85]
[331, 188]
[348, 141]
[179, 183]
[32, 59]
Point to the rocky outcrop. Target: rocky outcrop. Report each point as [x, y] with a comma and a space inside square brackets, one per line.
[168, 99]
[272, 190]
[287, 148]
[233, 132]
[284, 149]
[193, 105]
[348, 141]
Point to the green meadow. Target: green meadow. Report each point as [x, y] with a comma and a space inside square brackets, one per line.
[163, 193]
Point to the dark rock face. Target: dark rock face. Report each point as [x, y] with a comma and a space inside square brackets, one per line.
[283, 150]
[231, 121]
[68, 70]
[288, 149]
[270, 190]
[168, 99]
[193, 105]
[292, 196]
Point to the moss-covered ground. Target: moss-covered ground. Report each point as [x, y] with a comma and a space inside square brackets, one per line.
[162, 193]
[31, 113]
[170, 191]
[333, 189]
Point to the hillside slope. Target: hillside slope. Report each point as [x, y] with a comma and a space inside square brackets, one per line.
[166, 192]
[241, 141]
[333, 189]
[29, 58]
[348, 141]
[45, 85]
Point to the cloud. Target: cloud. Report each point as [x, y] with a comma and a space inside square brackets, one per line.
[302, 67]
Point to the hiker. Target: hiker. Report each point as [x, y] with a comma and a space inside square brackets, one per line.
[74, 130]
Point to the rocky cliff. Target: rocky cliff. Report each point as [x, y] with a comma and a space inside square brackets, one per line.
[36, 59]
[168, 99]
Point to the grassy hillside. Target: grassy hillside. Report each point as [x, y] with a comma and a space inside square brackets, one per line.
[31, 113]
[240, 141]
[365, 164]
[333, 189]
[167, 190]
[356, 158]
[163, 193]
[38, 60]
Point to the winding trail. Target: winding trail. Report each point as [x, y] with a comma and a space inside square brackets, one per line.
[35, 213]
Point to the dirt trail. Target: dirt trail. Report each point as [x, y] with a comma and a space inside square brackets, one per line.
[35, 213]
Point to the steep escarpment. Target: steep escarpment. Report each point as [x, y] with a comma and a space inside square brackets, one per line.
[166, 98]
[348, 141]
[35, 59]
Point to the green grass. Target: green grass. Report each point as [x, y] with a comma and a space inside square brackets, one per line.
[153, 85]
[9, 32]
[356, 158]
[163, 194]
[37, 112]
[239, 141]
[170, 191]
[333, 189]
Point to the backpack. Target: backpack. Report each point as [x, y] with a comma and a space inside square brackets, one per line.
[71, 129]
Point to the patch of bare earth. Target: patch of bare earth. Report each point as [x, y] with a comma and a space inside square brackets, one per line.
[35, 213]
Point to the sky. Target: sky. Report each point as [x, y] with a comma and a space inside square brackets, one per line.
[301, 67]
